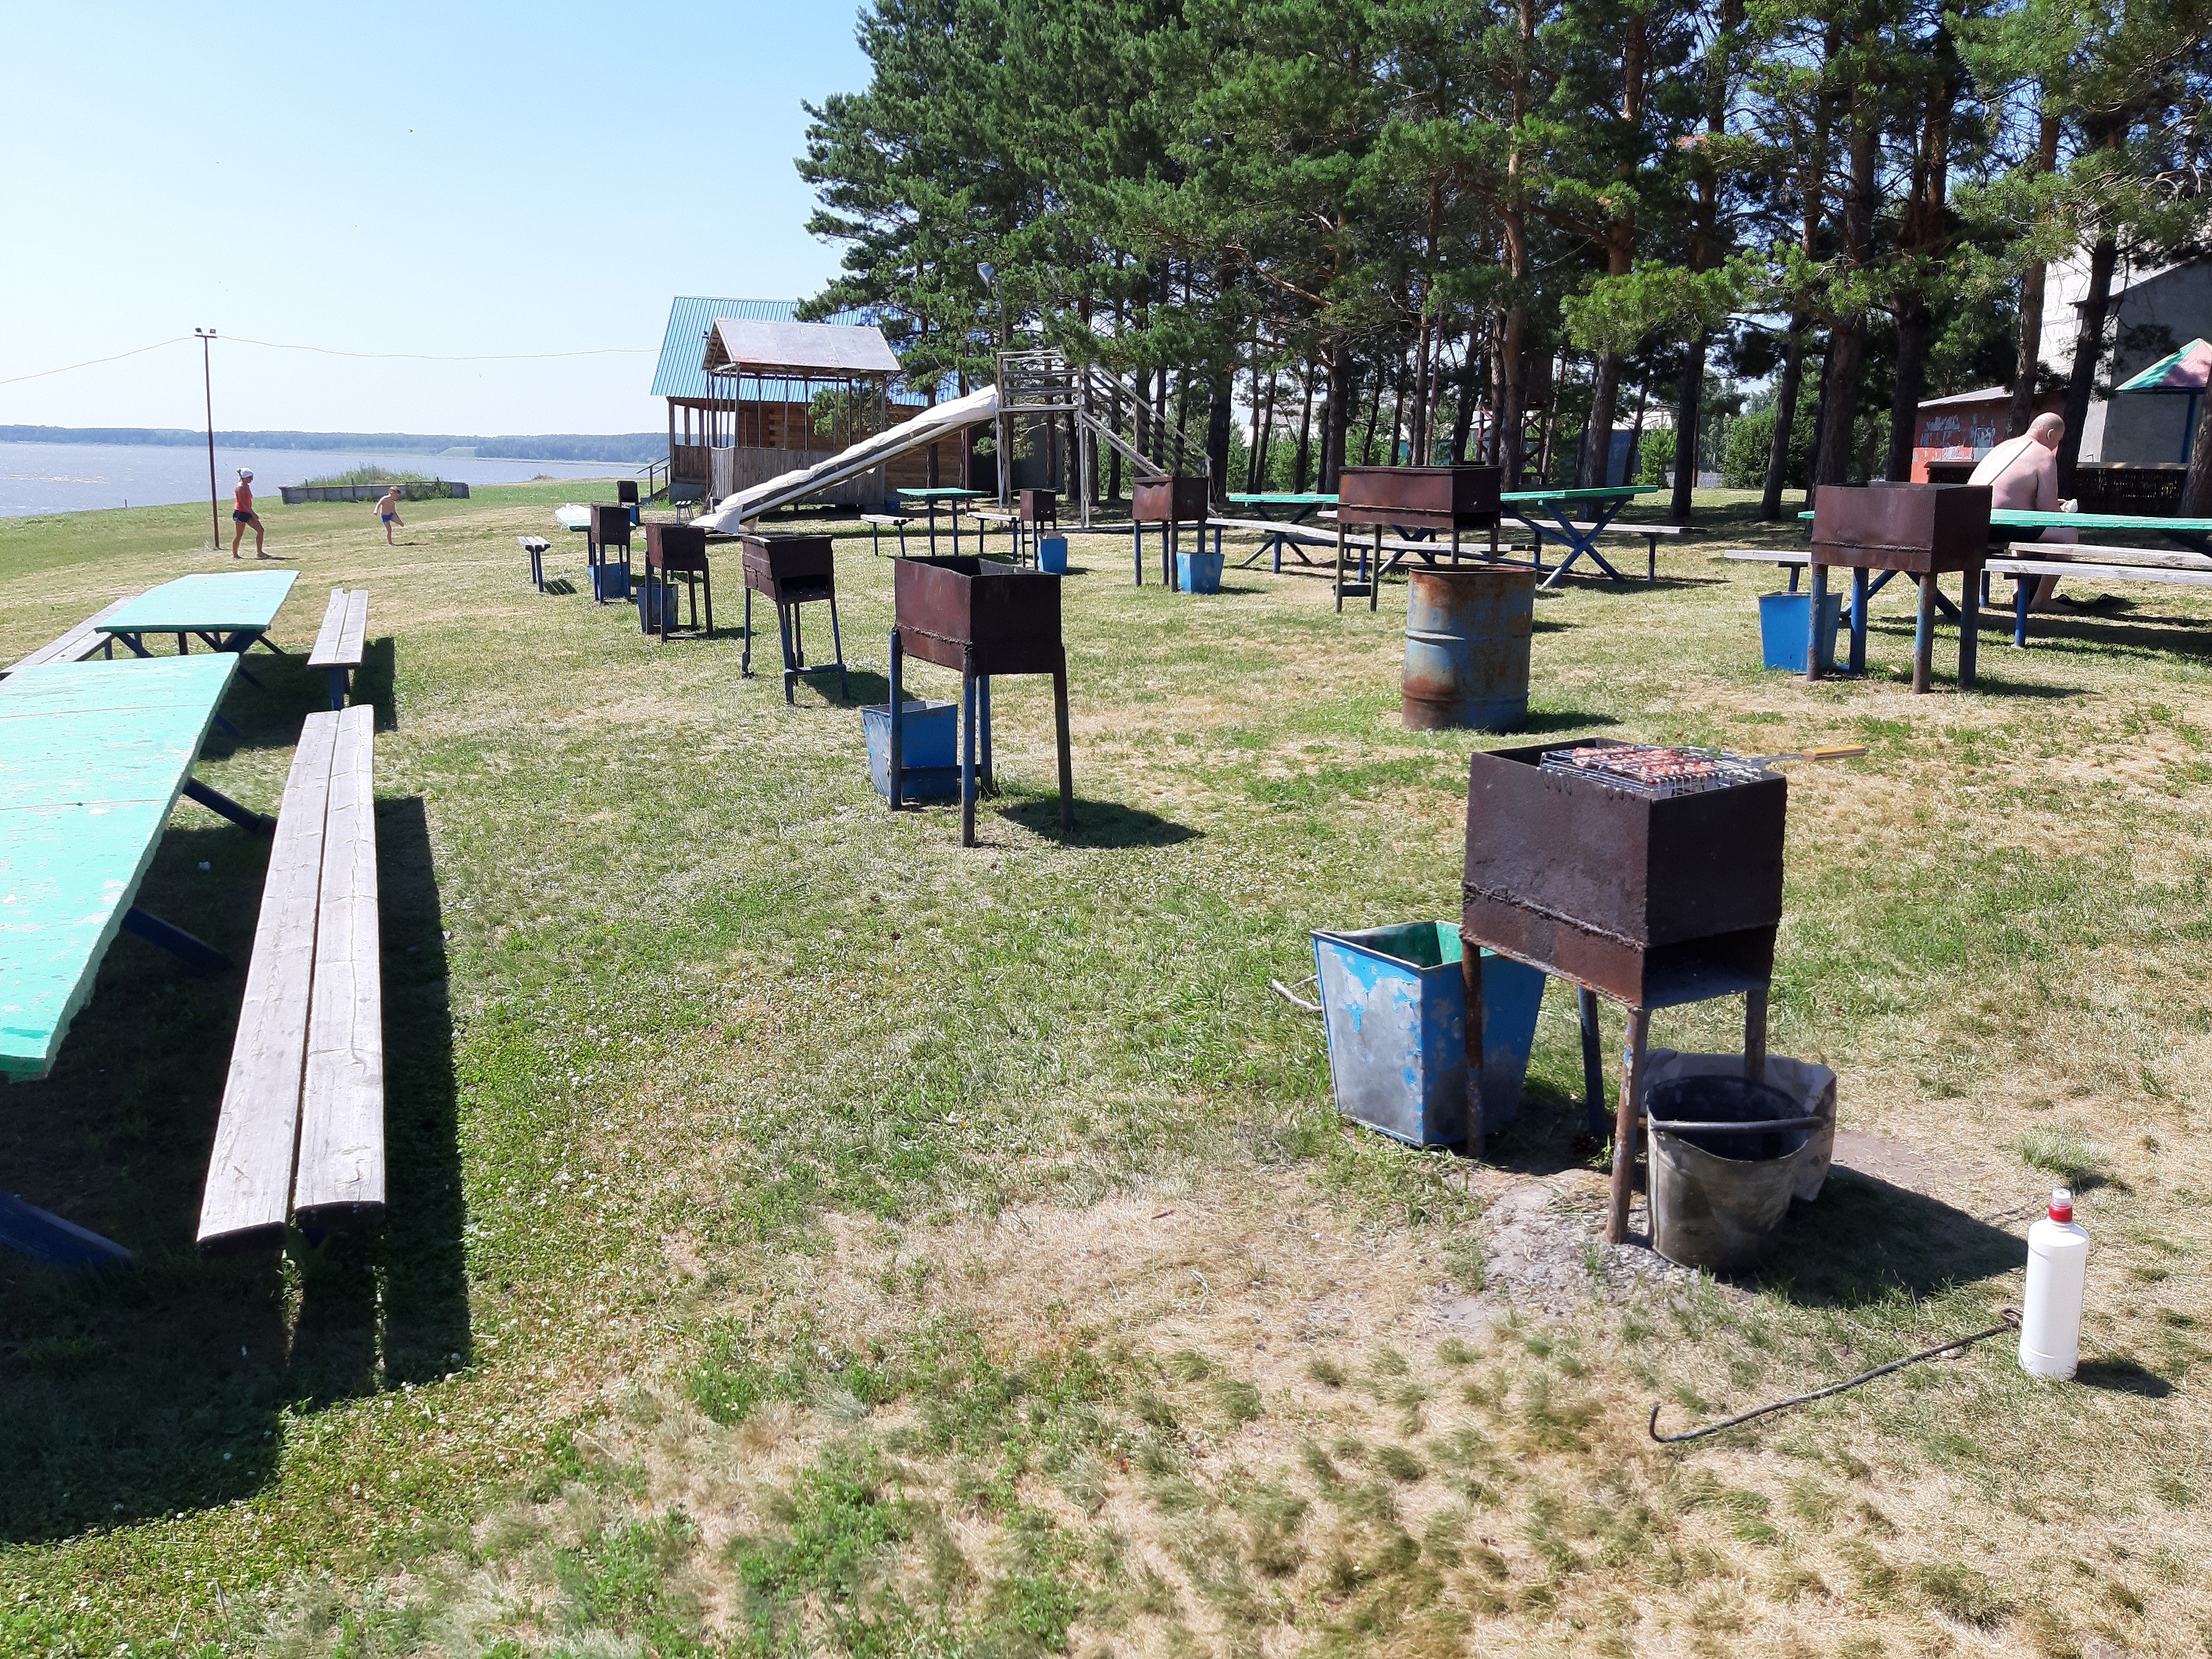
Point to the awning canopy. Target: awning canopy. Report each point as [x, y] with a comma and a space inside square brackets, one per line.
[797, 350]
[2186, 370]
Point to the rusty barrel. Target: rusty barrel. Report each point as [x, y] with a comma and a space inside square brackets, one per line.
[1466, 648]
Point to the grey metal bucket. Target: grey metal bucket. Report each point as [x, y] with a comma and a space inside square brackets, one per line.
[1719, 1194]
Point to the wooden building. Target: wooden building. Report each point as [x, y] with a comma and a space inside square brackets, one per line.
[753, 393]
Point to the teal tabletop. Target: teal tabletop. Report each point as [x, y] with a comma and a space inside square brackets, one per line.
[1286, 499]
[225, 601]
[1605, 493]
[92, 755]
[2015, 518]
[941, 493]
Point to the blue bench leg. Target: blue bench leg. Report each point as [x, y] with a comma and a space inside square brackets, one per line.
[990, 776]
[216, 801]
[48, 1238]
[898, 717]
[2023, 588]
[968, 754]
[197, 953]
[1858, 621]
[338, 678]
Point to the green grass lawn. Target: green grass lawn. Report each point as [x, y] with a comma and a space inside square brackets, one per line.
[808, 1235]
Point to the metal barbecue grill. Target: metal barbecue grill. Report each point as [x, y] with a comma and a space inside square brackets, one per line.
[1655, 771]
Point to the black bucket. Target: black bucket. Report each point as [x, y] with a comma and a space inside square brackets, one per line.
[1719, 1192]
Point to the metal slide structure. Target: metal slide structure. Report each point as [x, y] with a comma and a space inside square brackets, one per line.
[1040, 383]
[735, 512]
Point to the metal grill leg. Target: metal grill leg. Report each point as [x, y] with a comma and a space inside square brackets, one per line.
[898, 714]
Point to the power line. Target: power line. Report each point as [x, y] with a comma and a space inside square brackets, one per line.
[94, 362]
[436, 357]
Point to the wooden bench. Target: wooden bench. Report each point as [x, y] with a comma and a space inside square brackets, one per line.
[343, 638]
[1651, 534]
[879, 522]
[80, 642]
[307, 1071]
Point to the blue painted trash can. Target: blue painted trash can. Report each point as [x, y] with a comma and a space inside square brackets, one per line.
[1052, 555]
[1781, 621]
[1200, 573]
[927, 739]
[649, 594]
[611, 581]
[1394, 1009]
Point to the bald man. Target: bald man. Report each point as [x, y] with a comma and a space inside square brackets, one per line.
[2023, 474]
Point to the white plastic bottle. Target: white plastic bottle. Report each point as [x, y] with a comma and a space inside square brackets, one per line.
[2050, 1312]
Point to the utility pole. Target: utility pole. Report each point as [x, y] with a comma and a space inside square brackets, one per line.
[1001, 430]
[207, 384]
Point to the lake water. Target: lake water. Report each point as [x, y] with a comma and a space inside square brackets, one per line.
[73, 477]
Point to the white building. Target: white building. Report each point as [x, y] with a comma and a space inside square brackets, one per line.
[2154, 312]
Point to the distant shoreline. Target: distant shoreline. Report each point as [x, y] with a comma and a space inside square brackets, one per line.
[634, 447]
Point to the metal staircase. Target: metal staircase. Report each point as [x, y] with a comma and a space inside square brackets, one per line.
[1102, 403]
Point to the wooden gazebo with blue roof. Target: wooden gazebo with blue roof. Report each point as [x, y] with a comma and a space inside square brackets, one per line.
[731, 421]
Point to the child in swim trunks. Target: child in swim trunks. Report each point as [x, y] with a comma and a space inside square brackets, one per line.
[387, 508]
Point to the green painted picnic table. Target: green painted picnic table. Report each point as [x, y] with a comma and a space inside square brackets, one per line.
[1300, 504]
[93, 757]
[953, 496]
[230, 611]
[1604, 500]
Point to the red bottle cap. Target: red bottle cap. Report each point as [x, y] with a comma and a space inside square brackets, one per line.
[2062, 1204]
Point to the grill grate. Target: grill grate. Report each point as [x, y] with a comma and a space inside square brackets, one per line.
[1656, 771]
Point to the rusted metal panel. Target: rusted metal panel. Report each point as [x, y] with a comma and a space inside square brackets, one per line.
[786, 567]
[1915, 528]
[1039, 506]
[1648, 900]
[1433, 497]
[1179, 499]
[952, 610]
[675, 547]
[609, 525]
[1466, 648]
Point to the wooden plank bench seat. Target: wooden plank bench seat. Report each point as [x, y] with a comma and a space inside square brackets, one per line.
[342, 640]
[79, 643]
[307, 1071]
[534, 546]
[2154, 565]
[879, 522]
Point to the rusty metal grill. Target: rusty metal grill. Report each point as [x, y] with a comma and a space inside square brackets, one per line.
[1655, 771]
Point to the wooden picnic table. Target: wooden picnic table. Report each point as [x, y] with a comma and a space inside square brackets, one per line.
[93, 757]
[229, 611]
[952, 497]
[1602, 503]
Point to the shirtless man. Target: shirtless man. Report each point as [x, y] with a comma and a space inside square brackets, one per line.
[2023, 474]
[387, 508]
[242, 514]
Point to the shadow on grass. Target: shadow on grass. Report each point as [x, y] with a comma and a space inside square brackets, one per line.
[373, 681]
[559, 587]
[1098, 824]
[2124, 1376]
[137, 1391]
[1864, 1239]
[1543, 720]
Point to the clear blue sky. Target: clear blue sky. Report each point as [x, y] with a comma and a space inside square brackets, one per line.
[452, 179]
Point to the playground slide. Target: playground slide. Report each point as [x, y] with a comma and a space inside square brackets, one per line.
[732, 513]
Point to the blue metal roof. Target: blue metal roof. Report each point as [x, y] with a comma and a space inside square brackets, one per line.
[685, 346]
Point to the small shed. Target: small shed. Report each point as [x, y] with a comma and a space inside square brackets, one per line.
[1951, 433]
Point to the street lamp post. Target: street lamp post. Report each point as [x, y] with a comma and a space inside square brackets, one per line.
[207, 386]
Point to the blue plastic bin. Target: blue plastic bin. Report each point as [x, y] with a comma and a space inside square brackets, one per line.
[928, 742]
[1394, 1009]
[1052, 555]
[1200, 573]
[610, 581]
[1782, 628]
[649, 594]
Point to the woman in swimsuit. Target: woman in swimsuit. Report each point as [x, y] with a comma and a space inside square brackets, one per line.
[242, 514]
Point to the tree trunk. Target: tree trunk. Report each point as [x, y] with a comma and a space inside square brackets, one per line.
[1336, 415]
[2196, 484]
[1689, 409]
[1911, 381]
[1785, 418]
[2088, 348]
[1463, 416]
[1306, 430]
[1839, 385]
[1220, 420]
[1374, 414]
[1267, 433]
[2027, 361]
